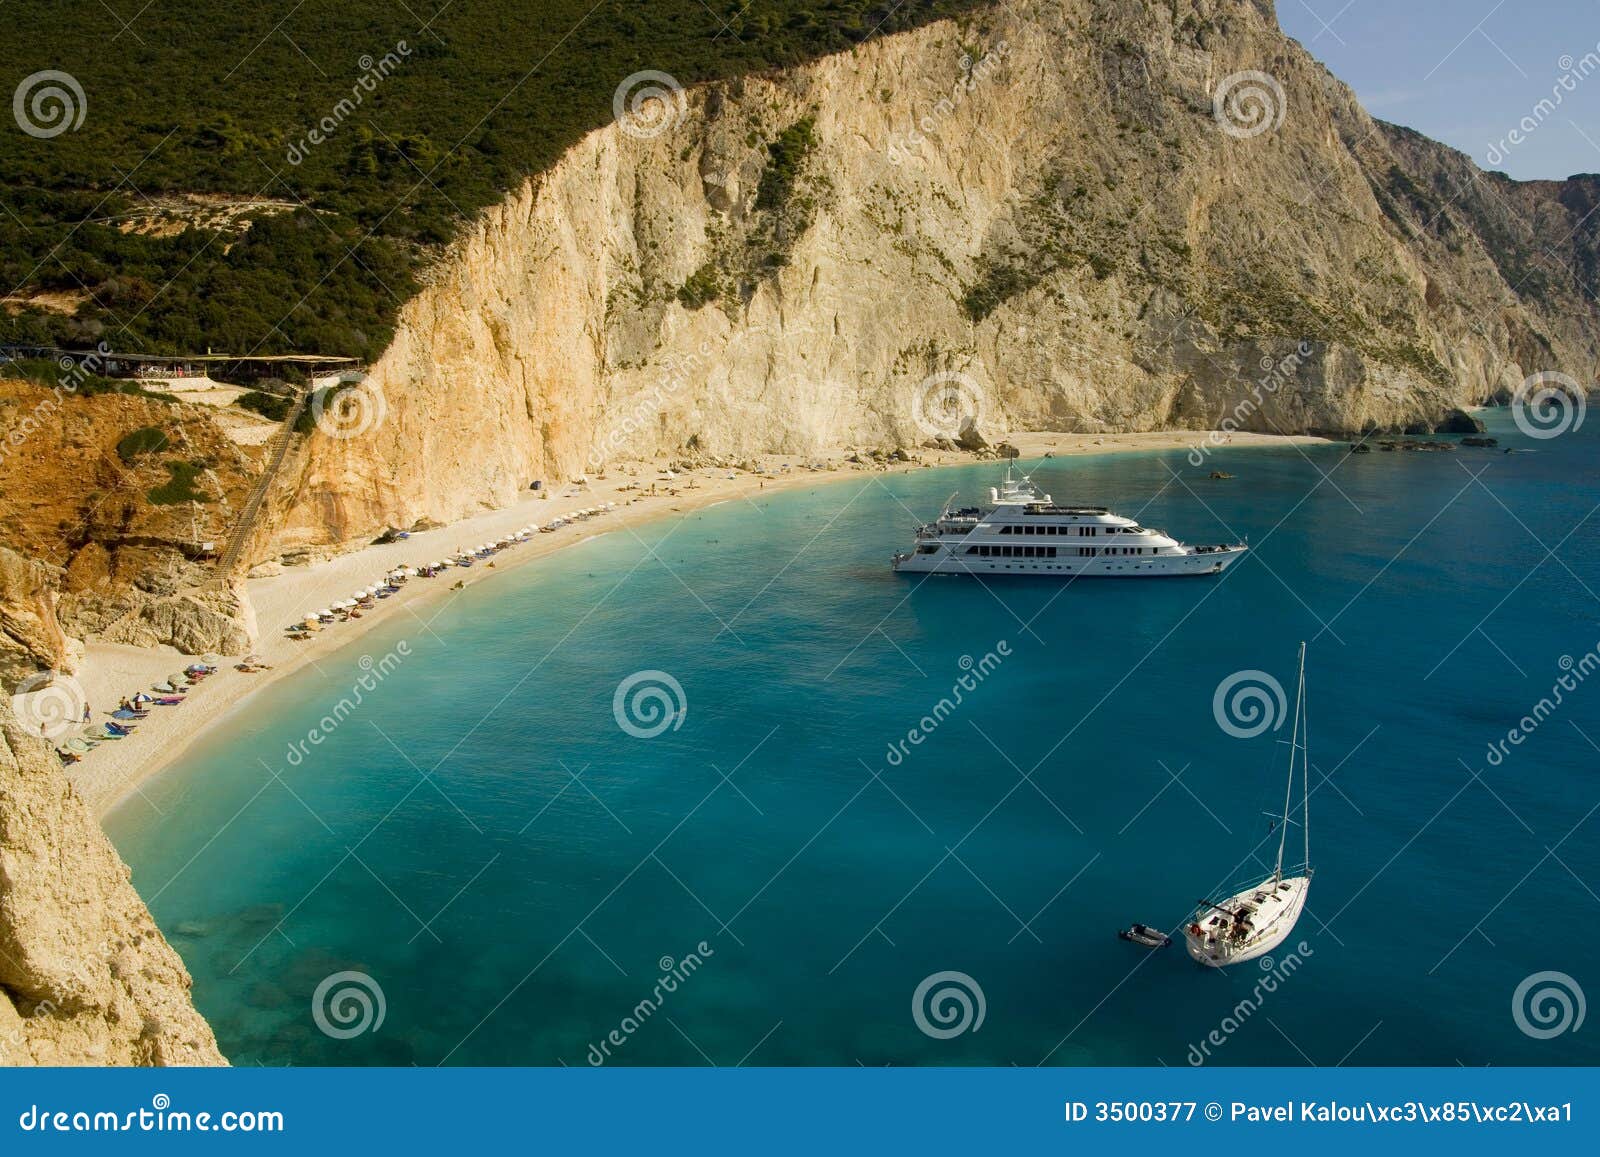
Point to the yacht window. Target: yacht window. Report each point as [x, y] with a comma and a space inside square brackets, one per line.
[1052, 551]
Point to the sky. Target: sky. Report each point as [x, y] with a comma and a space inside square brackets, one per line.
[1470, 73]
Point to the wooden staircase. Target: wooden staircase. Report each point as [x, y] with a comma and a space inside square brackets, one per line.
[276, 453]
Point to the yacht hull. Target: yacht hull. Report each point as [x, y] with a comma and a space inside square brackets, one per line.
[1211, 562]
[1273, 909]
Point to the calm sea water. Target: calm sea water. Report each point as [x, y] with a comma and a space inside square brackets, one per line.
[516, 872]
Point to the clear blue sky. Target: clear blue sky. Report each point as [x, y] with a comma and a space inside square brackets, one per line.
[1466, 72]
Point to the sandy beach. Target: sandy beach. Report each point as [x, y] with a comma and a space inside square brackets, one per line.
[115, 770]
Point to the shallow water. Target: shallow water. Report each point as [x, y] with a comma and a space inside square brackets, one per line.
[514, 871]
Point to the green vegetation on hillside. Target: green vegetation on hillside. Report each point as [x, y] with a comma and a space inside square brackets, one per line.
[145, 440]
[426, 112]
[179, 486]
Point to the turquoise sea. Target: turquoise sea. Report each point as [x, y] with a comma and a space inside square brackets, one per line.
[515, 873]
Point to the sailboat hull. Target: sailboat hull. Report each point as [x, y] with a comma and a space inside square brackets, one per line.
[1217, 939]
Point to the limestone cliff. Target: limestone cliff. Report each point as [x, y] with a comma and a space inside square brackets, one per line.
[85, 976]
[1071, 215]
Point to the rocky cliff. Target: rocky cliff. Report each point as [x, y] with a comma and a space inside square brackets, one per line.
[85, 976]
[1073, 215]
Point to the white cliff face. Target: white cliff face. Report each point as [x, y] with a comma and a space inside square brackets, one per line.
[1040, 210]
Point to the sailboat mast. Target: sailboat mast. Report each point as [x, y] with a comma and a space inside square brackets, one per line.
[1305, 757]
[1288, 786]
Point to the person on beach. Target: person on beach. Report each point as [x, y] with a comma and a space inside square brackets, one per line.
[86, 712]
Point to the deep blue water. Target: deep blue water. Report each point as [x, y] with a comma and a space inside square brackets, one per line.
[1436, 615]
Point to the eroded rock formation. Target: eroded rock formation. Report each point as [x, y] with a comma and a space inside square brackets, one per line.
[85, 976]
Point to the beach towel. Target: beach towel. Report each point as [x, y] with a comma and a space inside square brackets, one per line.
[124, 713]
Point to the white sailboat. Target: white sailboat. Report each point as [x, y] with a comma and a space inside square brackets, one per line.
[1253, 922]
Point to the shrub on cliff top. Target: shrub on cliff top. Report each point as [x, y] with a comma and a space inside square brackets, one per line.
[144, 440]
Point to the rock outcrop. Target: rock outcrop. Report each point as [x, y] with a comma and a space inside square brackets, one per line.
[1083, 215]
[85, 976]
[30, 633]
[197, 622]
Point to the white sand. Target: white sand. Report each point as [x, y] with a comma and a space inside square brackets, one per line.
[115, 769]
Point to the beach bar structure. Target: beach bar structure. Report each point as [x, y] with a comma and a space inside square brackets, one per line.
[230, 367]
